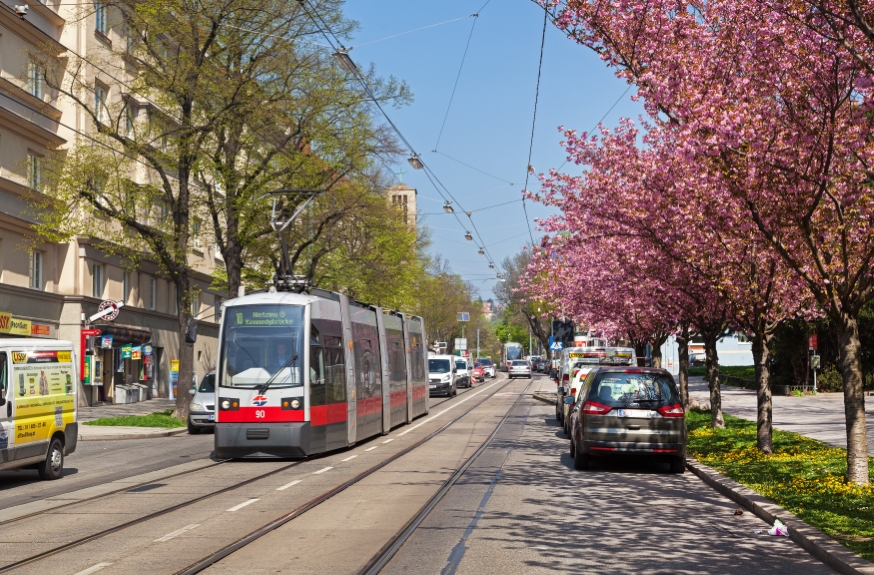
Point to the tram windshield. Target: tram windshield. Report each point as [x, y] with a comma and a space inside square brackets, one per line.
[261, 344]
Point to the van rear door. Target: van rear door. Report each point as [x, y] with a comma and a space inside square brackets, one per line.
[6, 413]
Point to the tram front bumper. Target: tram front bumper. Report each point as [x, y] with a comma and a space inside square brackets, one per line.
[262, 440]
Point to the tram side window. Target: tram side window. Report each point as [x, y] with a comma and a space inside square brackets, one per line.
[317, 375]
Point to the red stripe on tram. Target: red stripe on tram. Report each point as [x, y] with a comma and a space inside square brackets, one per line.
[260, 414]
[369, 406]
[420, 392]
[327, 414]
[398, 398]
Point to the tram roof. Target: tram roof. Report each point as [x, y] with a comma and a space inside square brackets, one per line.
[279, 297]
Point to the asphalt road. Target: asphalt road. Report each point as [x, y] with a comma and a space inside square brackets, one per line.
[520, 508]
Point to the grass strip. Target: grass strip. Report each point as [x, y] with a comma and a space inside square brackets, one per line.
[804, 476]
[163, 419]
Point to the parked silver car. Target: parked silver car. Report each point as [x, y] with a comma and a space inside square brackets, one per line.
[201, 411]
[519, 368]
[631, 411]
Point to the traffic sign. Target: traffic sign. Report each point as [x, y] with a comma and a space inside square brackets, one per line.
[811, 344]
[461, 343]
[556, 346]
[107, 310]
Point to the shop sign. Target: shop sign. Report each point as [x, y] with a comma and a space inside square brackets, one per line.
[147, 350]
[40, 330]
[106, 342]
[10, 325]
[174, 365]
[136, 352]
[126, 351]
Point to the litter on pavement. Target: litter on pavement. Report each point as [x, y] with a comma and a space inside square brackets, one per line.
[779, 529]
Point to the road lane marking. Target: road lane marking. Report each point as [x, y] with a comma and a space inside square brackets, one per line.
[287, 485]
[322, 470]
[94, 569]
[388, 440]
[170, 536]
[371, 448]
[348, 458]
[467, 397]
[241, 505]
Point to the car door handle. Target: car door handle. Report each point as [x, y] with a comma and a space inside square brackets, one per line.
[633, 427]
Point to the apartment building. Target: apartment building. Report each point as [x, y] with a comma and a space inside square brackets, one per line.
[48, 289]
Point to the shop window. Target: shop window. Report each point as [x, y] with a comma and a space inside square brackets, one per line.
[97, 280]
[35, 269]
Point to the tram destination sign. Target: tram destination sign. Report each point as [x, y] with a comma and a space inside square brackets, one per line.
[261, 317]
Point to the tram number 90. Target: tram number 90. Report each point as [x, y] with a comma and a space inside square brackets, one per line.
[259, 413]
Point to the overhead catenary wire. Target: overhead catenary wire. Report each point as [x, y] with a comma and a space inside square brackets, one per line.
[416, 30]
[473, 167]
[602, 119]
[457, 78]
[533, 124]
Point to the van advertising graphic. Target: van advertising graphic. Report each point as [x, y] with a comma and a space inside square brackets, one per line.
[44, 393]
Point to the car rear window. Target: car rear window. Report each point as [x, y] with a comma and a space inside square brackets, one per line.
[620, 389]
[486, 362]
[520, 363]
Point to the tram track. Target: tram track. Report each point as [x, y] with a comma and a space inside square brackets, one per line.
[388, 551]
[252, 536]
[316, 501]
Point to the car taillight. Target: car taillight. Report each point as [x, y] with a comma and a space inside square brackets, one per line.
[596, 408]
[565, 377]
[675, 410]
[573, 391]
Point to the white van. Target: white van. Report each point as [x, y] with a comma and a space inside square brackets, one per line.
[38, 396]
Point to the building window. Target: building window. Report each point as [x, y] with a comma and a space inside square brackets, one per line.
[218, 309]
[195, 233]
[34, 79]
[97, 280]
[125, 287]
[175, 300]
[100, 103]
[129, 119]
[195, 304]
[152, 294]
[34, 171]
[36, 269]
[100, 18]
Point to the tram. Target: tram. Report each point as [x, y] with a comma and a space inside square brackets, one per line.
[510, 351]
[300, 373]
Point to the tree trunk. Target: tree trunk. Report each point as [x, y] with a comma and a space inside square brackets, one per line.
[657, 344]
[716, 419]
[764, 417]
[186, 351]
[854, 400]
[683, 359]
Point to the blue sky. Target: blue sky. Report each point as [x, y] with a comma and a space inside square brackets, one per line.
[489, 124]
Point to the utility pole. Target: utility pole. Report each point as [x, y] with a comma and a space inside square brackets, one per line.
[477, 343]
[529, 340]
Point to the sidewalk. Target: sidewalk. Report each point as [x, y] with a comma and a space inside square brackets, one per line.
[119, 410]
[817, 416]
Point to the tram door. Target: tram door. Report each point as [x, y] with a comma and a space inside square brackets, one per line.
[327, 378]
[397, 376]
[381, 316]
[368, 371]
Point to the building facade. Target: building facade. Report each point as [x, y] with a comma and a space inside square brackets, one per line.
[403, 198]
[50, 290]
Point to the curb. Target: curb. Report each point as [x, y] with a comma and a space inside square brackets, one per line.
[812, 540]
[148, 435]
[543, 399]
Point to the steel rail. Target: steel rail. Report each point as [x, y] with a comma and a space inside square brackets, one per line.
[273, 525]
[394, 545]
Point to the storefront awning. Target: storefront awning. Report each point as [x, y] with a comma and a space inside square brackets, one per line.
[124, 335]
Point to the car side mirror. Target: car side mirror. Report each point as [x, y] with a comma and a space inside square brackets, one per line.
[569, 400]
[192, 391]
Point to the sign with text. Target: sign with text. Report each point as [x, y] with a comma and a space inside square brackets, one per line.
[812, 342]
[461, 343]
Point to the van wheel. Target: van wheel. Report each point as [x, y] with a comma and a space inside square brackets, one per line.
[193, 430]
[581, 461]
[678, 465]
[53, 467]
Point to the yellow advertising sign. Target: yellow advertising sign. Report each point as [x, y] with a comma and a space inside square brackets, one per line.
[42, 383]
[174, 365]
[9, 324]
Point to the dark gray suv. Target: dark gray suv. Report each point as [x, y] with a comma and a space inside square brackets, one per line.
[631, 411]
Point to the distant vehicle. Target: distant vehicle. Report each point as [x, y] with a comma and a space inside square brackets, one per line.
[201, 412]
[488, 366]
[575, 389]
[628, 411]
[573, 358]
[520, 368]
[697, 359]
[537, 362]
[510, 351]
[441, 375]
[462, 372]
[477, 375]
[39, 382]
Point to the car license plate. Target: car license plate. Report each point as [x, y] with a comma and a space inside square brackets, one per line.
[432, 386]
[211, 417]
[633, 413]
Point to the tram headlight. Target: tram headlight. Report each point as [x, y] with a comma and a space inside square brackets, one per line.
[226, 404]
[295, 403]
[291, 403]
